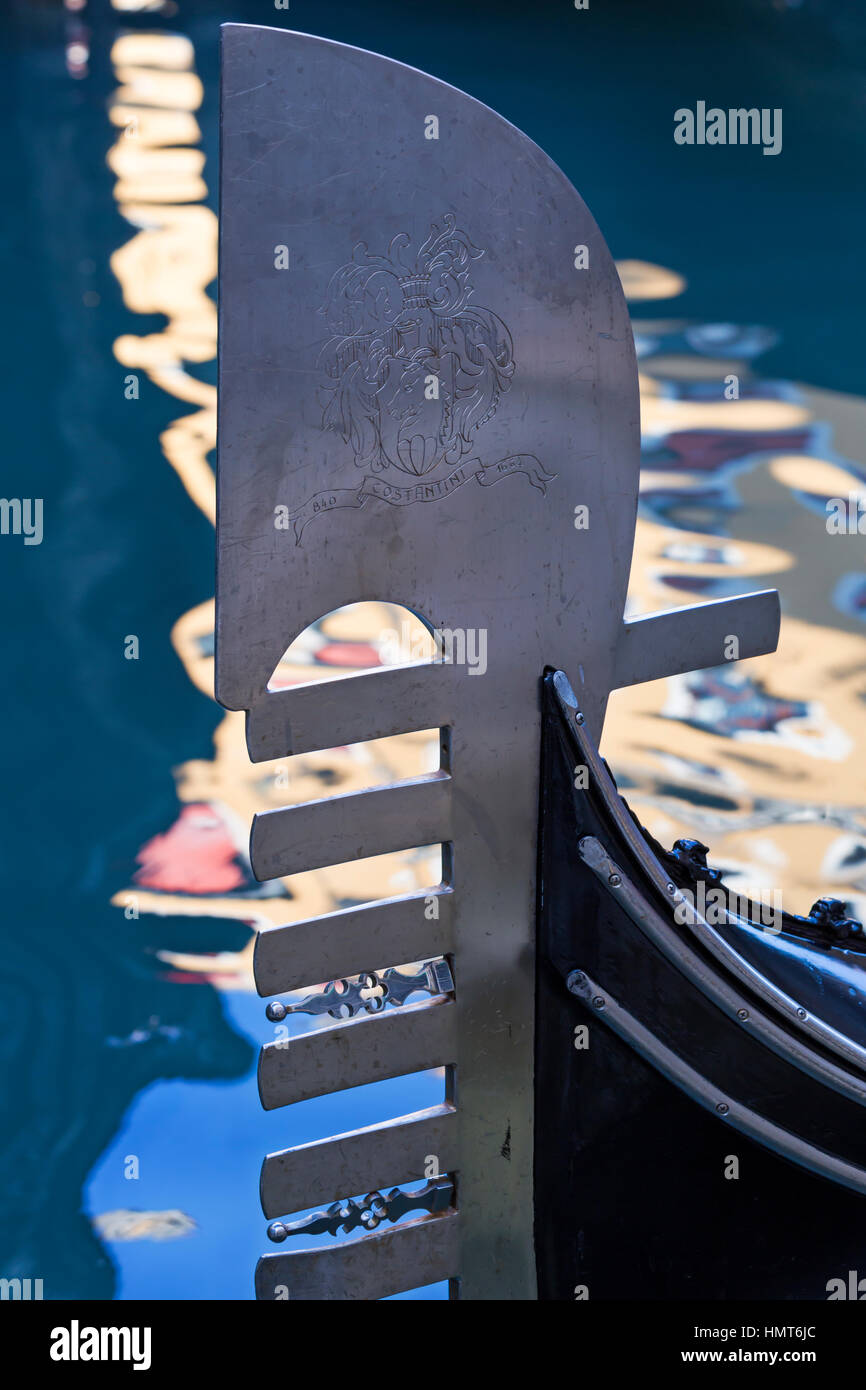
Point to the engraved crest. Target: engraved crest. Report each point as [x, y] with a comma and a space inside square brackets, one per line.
[414, 368]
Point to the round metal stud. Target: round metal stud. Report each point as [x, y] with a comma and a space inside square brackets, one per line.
[598, 1002]
[721, 1108]
[614, 880]
[276, 1012]
[277, 1232]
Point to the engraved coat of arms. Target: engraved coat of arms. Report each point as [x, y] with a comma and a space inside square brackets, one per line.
[413, 370]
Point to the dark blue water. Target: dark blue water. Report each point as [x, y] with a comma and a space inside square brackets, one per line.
[90, 739]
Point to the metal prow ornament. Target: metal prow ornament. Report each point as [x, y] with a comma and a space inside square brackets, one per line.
[427, 394]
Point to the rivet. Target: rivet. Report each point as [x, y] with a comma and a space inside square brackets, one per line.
[578, 718]
[743, 1014]
[276, 1012]
[614, 880]
[801, 1013]
[277, 1232]
[721, 1108]
[598, 1002]
[672, 887]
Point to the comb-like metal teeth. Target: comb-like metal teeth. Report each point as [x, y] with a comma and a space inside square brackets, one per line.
[344, 943]
[357, 825]
[355, 709]
[327, 1169]
[414, 1038]
[389, 1261]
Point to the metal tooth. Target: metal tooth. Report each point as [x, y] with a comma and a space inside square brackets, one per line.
[413, 1038]
[355, 825]
[371, 705]
[377, 1264]
[686, 639]
[341, 944]
[347, 1215]
[311, 1175]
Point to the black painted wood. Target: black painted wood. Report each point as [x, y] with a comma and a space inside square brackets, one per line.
[631, 1197]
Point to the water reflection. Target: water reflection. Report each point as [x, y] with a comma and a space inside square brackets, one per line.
[761, 759]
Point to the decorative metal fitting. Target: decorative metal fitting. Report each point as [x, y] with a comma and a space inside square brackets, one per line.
[614, 880]
[693, 857]
[370, 993]
[722, 1108]
[830, 914]
[369, 1212]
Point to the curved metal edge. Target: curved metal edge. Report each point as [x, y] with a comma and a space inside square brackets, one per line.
[737, 1008]
[713, 942]
[698, 1088]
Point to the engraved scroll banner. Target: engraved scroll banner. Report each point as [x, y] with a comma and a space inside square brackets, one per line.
[485, 473]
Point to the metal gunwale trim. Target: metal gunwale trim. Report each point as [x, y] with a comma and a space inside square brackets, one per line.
[736, 1006]
[773, 1137]
[716, 944]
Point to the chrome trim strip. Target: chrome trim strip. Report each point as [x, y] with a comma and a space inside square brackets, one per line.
[736, 1006]
[698, 1088]
[800, 1017]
